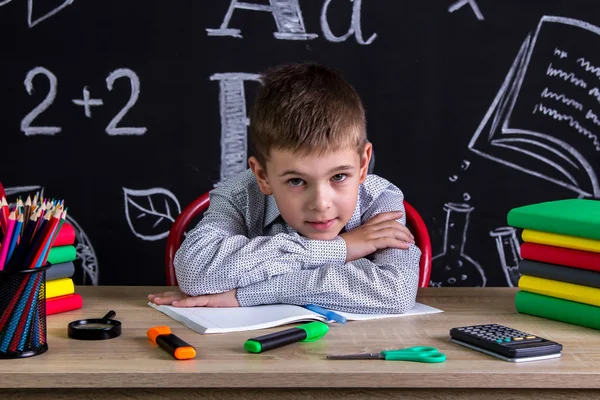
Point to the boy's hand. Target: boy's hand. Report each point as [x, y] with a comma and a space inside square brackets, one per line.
[380, 232]
[179, 299]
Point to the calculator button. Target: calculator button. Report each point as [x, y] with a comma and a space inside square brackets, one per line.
[530, 337]
[518, 338]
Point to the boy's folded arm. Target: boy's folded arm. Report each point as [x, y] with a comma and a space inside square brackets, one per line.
[217, 254]
[387, 284]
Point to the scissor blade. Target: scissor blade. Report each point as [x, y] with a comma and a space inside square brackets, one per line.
[361, 356]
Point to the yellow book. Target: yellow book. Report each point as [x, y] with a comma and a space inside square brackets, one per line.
[561, 290]
[558, 240]
[59, 287]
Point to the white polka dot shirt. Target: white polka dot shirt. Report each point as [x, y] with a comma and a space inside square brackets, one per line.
[242, 242]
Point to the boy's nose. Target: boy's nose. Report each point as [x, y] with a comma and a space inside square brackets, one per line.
[321, 200]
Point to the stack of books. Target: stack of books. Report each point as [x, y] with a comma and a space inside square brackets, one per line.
[60, 289]
[560, 263]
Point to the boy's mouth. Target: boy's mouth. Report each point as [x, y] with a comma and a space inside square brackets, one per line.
[322, 225]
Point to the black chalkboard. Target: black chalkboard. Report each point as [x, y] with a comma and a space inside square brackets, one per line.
[128, 110]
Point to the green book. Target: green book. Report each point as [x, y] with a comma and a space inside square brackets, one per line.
[572, 217]
[557, 309]
[61, 254]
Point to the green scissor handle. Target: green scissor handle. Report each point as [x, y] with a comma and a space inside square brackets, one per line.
[426, 354]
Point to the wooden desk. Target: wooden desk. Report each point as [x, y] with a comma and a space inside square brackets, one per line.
[132, 367]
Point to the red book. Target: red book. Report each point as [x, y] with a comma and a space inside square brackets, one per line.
[66, 235]
[561, 256]
[55, 305]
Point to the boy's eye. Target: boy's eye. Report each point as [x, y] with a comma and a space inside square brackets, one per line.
[339, 177]
[295, 182]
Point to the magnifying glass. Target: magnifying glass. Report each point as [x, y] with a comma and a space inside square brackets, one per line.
[95, 328]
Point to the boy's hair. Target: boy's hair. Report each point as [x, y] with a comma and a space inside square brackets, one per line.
[306, 108]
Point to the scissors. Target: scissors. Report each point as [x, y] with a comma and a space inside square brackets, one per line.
[424, 354]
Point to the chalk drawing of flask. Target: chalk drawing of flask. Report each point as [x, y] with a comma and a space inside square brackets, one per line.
[452, 267]
[509, 253]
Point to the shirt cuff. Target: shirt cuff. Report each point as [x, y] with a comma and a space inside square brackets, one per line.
[327, 252]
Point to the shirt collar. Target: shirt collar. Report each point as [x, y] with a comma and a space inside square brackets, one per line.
[272, 213]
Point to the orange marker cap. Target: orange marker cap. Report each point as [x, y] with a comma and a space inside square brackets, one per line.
[156, 331]
[185, 353]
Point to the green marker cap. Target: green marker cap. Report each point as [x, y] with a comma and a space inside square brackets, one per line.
[314, 330]
[252, 346]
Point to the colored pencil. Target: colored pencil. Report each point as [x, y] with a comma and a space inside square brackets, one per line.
[60, 224]
[41, 213]
[21, 250]
[15, 238]
[47, 235]
[27, 210]
[38, 237]
[4, 211]
[7, 238]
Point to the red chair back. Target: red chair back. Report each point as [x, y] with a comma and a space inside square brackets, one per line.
[195, 208]
[198, 206]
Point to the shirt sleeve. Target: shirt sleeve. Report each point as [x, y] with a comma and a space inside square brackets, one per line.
[217, 254]
[385, 282]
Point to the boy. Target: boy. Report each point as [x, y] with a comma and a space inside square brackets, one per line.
[305, 224]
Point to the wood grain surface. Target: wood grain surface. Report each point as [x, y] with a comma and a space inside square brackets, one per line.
[131, 361]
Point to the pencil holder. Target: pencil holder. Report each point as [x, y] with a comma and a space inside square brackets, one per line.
[23, 313]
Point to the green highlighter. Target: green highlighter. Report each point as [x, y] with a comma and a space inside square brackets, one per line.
[303, 333]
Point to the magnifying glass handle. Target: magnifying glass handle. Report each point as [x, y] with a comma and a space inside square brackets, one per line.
[109, 315]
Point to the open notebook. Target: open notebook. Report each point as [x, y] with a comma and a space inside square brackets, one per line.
[236, 319]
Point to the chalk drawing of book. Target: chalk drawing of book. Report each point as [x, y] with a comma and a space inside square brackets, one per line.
[545, 119]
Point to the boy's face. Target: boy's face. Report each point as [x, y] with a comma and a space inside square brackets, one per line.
[316, 194]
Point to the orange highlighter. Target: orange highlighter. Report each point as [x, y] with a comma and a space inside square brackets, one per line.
[162, 336]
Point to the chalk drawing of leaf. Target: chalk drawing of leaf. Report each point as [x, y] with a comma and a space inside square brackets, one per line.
[150, 212]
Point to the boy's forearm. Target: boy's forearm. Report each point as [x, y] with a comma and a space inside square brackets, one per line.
[388, 284]
[210, 261]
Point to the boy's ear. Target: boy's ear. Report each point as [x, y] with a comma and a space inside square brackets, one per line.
[365, 159]
[261, 176]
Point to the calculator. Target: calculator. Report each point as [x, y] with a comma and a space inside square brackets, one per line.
[506, 343]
